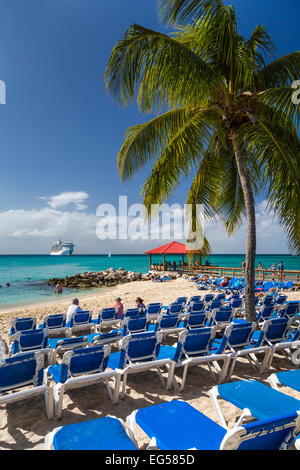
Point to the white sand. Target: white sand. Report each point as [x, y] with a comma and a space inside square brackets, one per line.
[23, 425]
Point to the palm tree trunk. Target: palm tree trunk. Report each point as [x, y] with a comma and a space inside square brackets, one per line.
[251, 230]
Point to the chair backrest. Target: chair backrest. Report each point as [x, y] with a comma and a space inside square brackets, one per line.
[181, 300]
[208, 297]
[167, 321]
[83, 317]
[236, 302]
[267, 286]
[195, 320]
[270, 434]
[220, 297]
[197, 307]
[135, 324]
[22, 324]
[132, 312]
[30, 340]
[264, 313]
[281, 299]
[237, 336]
[20, 371]
[108, 313]
[216, 303]
[140, 347]
[275, 330]
[280, 285]
[55, 321]
[290, 309]
[153, 308]
[84, 361]
[195, 342]
[194, 298]
[288, 285]
[221, 315]
[176, 308]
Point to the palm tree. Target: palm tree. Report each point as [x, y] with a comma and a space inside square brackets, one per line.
[223, 110]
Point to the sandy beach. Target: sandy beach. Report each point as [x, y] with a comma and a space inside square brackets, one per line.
[23, 425]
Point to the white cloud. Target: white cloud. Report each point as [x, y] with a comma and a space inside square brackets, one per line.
[66, 198]
[34, 231]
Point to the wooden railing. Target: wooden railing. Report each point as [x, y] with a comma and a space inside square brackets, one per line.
[218, 271]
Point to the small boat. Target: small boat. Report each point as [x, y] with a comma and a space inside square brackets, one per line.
[109, 254]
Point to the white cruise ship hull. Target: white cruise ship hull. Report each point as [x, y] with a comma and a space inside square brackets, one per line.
[63, 252]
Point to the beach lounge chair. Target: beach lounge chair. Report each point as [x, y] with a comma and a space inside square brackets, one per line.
[81, 321]
[22, 324]
[153, 309]
[220, 317]
[177, 425]
[132, 312]
[255, 399]
[237, 341]
[288, 378]
[56, 324]
[81, 368]
[263, 313]
[194, 298]
[106, 317]
[288, 285]
[140, 352]
[214, 304]
[194, 347]
[208, 298]
[175, 308]
[31, 340]
[135, 324]
[108, 433]
[181, 300]
[196, 307]
[167, 324]
[290, 309]
[25, 370]
[195, 320]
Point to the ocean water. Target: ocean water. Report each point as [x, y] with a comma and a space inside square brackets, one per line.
[27, 274]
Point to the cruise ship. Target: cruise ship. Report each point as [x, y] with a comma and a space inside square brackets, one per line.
[61, 248]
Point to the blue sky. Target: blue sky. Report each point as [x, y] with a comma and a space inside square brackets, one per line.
[60, 132]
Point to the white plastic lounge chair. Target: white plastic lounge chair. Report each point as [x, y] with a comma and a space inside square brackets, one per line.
[108, 433]
[31, 340]
[81, 368]
[107, 317]
[56, 324]
[254, 399]
[25, 370]
[140, 352]
[81, 320]
[21, 324]
[194, 347]
[177, 425]
[167, 324]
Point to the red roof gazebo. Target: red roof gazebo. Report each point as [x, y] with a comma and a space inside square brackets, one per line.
[171, 248]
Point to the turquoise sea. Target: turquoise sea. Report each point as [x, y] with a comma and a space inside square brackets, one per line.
[27, 274]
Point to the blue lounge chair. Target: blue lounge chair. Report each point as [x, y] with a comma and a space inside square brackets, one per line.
[132, 312]
[81, 368]
[194, 298]
[140, 352]
[255, 399]
[194, 347]
[167, 324]
[106, 317]
[288, 378]
[195, 320]
[31, 340]
[196, 307]
[214, 304]
[22, 324]
[175, 308]
[221, 317]
[177, 425]
[153, 309]
[25, 370]
[106, 433]
[288, 285]
[237, 342]
[208, 298]
[81, 320]
[290, 309]
[181, 300]
[56, 324]
[135, 324]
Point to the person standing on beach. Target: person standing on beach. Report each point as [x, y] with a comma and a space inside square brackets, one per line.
[58, 289]
[280, 268]
[260, 267]
[74, 307]
[119, 306]
[273, 269]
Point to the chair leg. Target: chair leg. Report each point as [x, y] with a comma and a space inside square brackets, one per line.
[171, 370]
[183, 378]
[49, 403]
[58, 392]
[117, 389]
[161, 377]
[124, 381]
